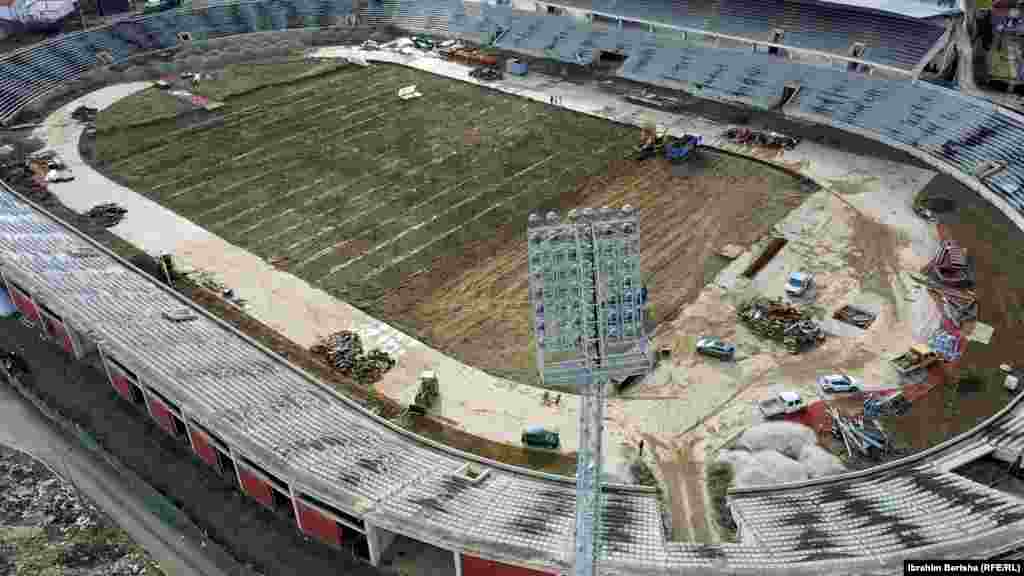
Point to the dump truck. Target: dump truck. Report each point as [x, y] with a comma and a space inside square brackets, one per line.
[784, 403]
[919, 356]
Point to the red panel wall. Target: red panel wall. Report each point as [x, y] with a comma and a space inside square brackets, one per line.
[25, 305]
[479, 567]
[161, 414]
[56, 329]
[318, 525]
[254, 486]
[120, 382]
[202, 447]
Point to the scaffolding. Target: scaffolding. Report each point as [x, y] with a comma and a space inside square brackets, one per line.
[588, 311]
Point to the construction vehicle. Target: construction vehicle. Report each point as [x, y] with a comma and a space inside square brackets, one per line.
[784, 403]
[680, 149]
[919, 356]
[540, 437]
[428, 391]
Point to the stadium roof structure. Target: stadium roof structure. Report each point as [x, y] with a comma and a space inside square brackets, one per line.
[911, 8]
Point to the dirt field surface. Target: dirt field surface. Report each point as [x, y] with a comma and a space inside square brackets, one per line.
[477, 305]
[415, 211]
[47, 528]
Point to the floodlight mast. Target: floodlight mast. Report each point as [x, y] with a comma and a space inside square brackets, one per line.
[587, 302]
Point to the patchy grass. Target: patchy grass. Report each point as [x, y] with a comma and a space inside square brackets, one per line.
[719, 478]
[1000, 63]
[149, 105]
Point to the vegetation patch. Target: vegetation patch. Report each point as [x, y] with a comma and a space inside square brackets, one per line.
[719, 478]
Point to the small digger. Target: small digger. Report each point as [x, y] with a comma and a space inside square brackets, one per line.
[654, 141]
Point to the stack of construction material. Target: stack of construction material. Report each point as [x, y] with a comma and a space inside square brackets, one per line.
[341, 349]
[372, 366]
[951, 266]
[344, 351]
[959, 310]
[776, 320]
[107, 215]
[865, 435]
[946, 344]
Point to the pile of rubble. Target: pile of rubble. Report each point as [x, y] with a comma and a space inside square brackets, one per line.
[486, 73]
[106, 215]
[344, 351]
[55, 522]
[776, 320]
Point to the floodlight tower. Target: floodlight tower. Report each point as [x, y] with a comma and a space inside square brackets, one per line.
[587, 303]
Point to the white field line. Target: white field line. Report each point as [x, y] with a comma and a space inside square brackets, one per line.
[311, 201]
[288, 139]
[390, 168]
[287, 195]
[233, 185]
[434, 218]
[267, 158]
[329, 229]
[239, 116]
[264, 204]
[376, 272]
[385, 222]
[284, 151]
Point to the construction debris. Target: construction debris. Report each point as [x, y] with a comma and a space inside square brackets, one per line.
[344, 351]
[946, 344]
[486, 73]
[855, 316]
[740, 135]
[892, 405]
[951, 266]
[776, 320]
[85, 114]
[341, 350]
[866, 435]
[959, 310]
[107, 215]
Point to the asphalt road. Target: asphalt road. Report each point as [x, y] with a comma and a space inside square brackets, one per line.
[25, 428]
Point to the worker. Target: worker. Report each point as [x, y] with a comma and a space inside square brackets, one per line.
[641, 448]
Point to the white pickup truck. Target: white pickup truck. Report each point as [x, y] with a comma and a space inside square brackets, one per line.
[784, 403]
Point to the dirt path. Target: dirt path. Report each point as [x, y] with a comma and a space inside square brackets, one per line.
[683, 483]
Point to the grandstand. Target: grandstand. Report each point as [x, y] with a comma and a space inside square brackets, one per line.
[289, 438]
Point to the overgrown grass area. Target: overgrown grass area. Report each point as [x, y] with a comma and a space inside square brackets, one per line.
[354, 187]
[719, 478]
[1000, 62]
[974, 389]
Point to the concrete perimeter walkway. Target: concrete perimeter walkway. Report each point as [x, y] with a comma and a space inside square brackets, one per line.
[484, 405]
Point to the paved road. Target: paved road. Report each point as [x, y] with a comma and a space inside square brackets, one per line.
[26, 429]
